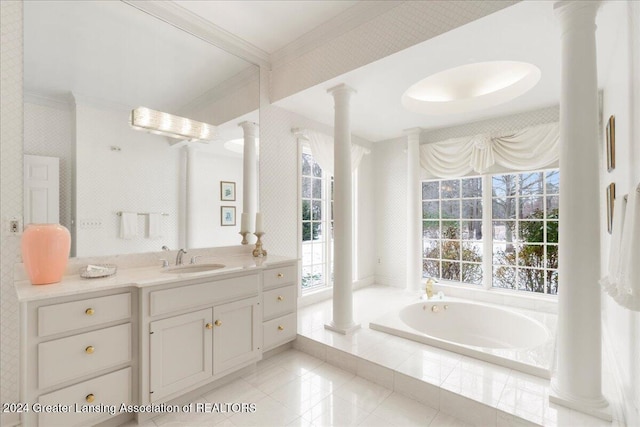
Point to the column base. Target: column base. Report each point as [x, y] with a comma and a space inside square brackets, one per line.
[599, 408]
[344, 331]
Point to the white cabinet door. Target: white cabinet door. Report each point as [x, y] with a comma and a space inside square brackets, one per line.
[41, 190]
[236, 334]
[180, 352]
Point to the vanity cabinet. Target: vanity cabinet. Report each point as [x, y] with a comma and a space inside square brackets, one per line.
[279, 298]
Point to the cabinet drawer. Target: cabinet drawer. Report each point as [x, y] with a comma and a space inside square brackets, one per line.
[279, 331]
[279, 276]
[169, 300]
[279, 301]
[108, 391]
[53, 319]
[78, 355]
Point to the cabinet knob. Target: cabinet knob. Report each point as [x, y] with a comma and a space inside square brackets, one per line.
[89, 350]
[89, 311]
[208, 326]
[280, 328]
[90, 397]
[280, 275]
[280, 298]
[218, 322]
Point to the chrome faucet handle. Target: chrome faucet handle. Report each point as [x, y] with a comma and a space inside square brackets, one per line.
[165, 263]
[165, 248]
[194, 258]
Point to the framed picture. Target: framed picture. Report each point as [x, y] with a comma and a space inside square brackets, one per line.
[227, 216]
[228, 191]
[611, 143]
[611, 197]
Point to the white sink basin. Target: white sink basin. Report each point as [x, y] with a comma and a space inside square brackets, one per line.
[193, 268]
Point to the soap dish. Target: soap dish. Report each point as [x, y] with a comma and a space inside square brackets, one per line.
[94, 271]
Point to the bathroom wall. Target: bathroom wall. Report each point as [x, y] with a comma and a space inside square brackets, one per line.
[391, 185]
[621, 97]
[48, 131]
[142, 176]
[209, 169]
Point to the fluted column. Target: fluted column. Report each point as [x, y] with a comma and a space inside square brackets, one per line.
[342, 214]
[414, 211]
[250, 174]
[577, 383]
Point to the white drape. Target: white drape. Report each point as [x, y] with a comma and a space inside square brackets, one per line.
[322, 149]
[530, 148]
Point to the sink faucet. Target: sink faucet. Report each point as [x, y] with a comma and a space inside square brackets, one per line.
[179, 256]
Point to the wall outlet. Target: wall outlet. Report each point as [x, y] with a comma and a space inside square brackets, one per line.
[15, 226]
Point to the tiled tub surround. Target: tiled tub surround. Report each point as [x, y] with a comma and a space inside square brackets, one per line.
[478, 392]
[516, 339]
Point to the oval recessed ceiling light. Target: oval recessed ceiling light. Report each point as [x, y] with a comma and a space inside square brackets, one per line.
[471, 87]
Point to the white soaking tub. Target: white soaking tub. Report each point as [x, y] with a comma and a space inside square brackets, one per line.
[516, 339]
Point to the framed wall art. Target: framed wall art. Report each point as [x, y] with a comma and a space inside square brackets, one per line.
[227, 191]
[227, 216]
[611, 143]
[611, 197]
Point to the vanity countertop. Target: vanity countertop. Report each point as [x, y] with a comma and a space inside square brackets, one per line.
[142, 277]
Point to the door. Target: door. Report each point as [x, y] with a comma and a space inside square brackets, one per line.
[41, 190]
[180, 352]
[236, 334]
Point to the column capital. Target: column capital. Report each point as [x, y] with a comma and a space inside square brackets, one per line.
[248, 125]
[574, 14]
[341, 89]
[412, 132]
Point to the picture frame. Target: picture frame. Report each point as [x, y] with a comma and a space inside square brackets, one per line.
[227, 216]
[611, 196]
[228, 191]
[611, 143]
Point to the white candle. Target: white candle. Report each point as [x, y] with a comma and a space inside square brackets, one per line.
[244, 223]
[259, 223]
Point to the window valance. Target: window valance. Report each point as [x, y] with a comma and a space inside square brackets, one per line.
[322, 150]
[530, 148]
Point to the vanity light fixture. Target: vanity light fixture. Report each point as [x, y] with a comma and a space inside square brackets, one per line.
[160, 123]
[471, 87]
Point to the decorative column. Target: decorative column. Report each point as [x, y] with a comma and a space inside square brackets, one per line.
[414, 211]
[250, 175]
[342, 220]
[190, 216]
[577, 383]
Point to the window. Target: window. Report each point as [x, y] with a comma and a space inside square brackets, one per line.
[521, 211]
[317, 225]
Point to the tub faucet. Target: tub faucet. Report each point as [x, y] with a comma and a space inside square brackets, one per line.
[429, 287]
[179, 256]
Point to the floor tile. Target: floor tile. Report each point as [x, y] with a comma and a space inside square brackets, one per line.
[269, 412]
[428, 370]
[236, 391]
[480, 388]
[335, 411]
[445, 420]
[401, 410]
[362, 393]
[328, 377]
[199, 415]
[270, 379]
[299, 395]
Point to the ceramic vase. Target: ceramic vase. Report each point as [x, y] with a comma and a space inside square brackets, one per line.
[45, 252]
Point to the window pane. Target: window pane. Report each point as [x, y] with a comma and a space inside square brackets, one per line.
[307, 277]
[306, 231]
[431, 209]
[450, 250]
[430, 190]
[318, 253]
[472, 187]
[552, 256]
[531, 183]
[504, 208]
[552, 231]
[531, 256]
[531, 207]
[317, 171]
[553, 204]
[431, 248]
[451, 209]
[531, 279]
[552, 282]
[306, 210]
[553, 182]
[472, 273]
[531, 231]
[431, 229]
[472, 209]
[430, 268]
[504, 255]
[450, 189]
[306, 188]
[306, 164]
[504, 277]
[450, 229]
[451, 270]
[504, 185]
[471, 230]
[316, 228]
[503, 231]
[317, 189]
[317, 210]
[472, 251]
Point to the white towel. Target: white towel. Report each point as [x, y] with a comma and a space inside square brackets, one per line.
[612, 275]
[629, 283]
[128, 225]
[154, 226]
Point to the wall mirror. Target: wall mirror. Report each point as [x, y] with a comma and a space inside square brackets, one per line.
[87, 65]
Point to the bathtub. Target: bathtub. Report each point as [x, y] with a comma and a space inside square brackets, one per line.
[516, 339]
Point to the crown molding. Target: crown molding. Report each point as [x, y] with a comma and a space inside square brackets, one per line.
[60, 102]
[351, 18]
[174, 14]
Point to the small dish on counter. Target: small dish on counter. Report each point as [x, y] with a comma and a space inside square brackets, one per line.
[95, 271]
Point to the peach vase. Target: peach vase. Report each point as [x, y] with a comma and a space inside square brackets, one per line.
[45, 252]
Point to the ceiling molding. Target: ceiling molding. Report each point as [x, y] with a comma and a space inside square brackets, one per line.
[61, 102]
[174, 14]
[344, 22]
